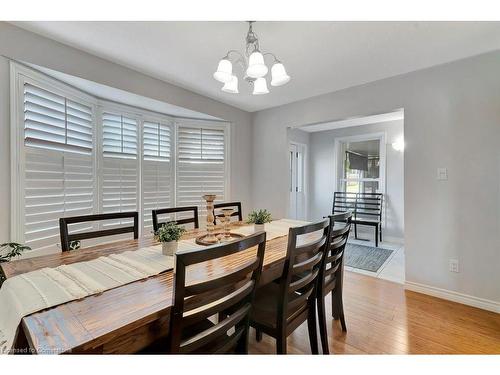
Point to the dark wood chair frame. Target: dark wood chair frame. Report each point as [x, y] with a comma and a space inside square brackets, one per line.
[163, 211]
[67, 238]
[332, 274]
[364, 204]
[300, 273]
[231, 294]
[238, 211]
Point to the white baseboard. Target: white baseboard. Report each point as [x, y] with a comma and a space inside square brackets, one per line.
[454, 296]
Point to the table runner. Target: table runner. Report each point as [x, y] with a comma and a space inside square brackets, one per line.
[30, 292]
[274, 229]
[37, 290]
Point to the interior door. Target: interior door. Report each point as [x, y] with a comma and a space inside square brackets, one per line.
[296, 184]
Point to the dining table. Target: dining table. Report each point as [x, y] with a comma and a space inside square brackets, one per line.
[126, 319]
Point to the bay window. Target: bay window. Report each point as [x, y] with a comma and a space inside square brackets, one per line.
[74, 154]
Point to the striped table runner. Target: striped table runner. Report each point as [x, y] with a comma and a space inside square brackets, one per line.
[30, 292]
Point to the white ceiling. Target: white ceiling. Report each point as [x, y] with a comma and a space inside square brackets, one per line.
[321, 57]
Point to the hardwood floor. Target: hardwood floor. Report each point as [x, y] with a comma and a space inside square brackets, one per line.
[383, 318]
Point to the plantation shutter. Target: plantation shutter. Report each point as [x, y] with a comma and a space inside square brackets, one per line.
[200, 165]
[119, 136]
[59, 164]
[120, 171]
[157, 174]
[52, 121]
[57, 184]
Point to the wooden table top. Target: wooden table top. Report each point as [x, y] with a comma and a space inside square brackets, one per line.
[125, 319]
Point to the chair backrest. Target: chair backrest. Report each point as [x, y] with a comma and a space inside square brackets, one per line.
[301, 269]
[235, 205]
[67, 238]
[368, 205]
[165, 211]
[230, 292]
[330, 276]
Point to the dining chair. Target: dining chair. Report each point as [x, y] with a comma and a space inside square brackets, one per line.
[230, 292]
[282, 306]
[235, 205]
[164, 211]
[67, 238]
[332, 273]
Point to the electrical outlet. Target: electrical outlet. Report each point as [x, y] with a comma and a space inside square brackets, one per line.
[454, 265]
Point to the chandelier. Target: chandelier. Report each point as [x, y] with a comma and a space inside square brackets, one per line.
[253, 66]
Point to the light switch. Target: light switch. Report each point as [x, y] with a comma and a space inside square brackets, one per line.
[442, 174]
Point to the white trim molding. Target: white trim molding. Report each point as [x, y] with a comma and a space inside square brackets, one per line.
[453, 296]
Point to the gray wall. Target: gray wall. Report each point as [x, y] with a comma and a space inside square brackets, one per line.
[452, 119]
[21, 45]
[322, 178]
[299, 136]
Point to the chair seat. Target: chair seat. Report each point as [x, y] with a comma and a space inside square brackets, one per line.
[265, 308]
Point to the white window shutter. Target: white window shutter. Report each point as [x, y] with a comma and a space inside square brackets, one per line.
[54, 122]
[157, 174]
[119, 135]
[59, 165]
[200, 165]
[57, 184]
[120, 169]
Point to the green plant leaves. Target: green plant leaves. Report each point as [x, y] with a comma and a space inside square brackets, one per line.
[259, 217]
[15, 249]
[170, 232]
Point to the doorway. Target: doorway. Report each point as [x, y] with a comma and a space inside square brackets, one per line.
[297, 185]
[361, 157]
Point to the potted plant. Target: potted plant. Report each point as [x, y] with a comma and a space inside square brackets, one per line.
[14, 249]
[168, 235]
[259, 218]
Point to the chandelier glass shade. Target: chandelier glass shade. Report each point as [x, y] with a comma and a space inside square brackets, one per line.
[253, 67]
[231, 86]
[256, 67]
[279, 76]
[224, 71]
[260, 86]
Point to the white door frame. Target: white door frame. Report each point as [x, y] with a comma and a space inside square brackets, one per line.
[305, 176]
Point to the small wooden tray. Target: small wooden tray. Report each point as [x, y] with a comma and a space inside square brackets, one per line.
[201, 239]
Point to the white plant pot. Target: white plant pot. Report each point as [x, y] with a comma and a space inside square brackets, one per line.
[169, 248]
[258, 227]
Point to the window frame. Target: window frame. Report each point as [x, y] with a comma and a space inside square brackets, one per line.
[206, 124]
[20, 73]
[339, 160]
[156, 117]
[104, 106]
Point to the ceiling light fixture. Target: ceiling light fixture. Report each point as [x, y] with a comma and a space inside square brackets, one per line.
[253, 65]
